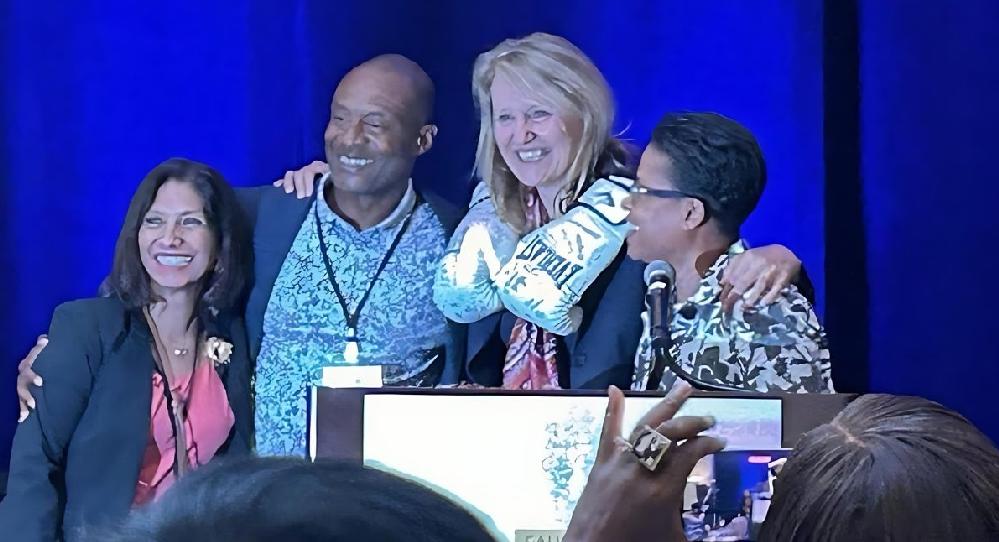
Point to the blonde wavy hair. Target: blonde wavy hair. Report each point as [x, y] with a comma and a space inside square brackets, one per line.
[559, 74]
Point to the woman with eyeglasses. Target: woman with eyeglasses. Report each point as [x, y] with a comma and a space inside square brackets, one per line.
[538, 266]
[700, 177]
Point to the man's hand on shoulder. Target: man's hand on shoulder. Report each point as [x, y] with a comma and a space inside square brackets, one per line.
[302, 181]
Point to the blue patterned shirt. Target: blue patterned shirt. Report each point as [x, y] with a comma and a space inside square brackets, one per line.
[305, 328]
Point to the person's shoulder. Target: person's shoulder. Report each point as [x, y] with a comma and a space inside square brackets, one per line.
[278, 215]
[96, 318]
[792, 302]
[97, 309]
[791, 314]
[275, 203]
[447, 213]
[271, 196]
[619, 289]
[626, 268]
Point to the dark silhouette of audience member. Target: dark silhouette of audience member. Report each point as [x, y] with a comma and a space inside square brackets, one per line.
[291, 499]
[888, 468]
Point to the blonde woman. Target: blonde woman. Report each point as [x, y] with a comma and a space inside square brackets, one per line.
[564, 311]
[537, 266]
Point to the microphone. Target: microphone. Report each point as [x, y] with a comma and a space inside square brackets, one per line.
[660, 278]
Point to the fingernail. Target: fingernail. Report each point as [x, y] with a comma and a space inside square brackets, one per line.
[37, 381]
[31, 403]
[44, 340]
[22, 416]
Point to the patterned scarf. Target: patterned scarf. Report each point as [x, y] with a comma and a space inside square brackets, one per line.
[530, 357]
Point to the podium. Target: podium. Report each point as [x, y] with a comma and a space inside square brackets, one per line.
[337, 415]
[520, 459]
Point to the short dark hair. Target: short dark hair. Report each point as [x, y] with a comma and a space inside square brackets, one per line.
[222, 287]
[291, 499]
[888, 468]
[716, 159]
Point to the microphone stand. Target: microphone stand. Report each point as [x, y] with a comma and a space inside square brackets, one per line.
[662, 359]
[659, 301]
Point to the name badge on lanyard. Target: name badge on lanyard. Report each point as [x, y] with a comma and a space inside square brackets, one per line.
[353, 376]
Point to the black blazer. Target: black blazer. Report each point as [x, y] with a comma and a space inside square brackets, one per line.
[600, 353]
[76, 458]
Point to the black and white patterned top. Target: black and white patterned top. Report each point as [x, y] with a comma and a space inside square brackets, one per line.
[777, 348]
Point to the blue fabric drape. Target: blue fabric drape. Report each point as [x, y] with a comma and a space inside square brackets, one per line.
[95, 94]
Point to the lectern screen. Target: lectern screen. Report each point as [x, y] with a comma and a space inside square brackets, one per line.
[522, 461]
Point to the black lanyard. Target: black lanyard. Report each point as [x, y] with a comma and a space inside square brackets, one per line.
[176, 413]
[352, 317]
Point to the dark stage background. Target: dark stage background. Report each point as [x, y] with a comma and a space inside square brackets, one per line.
[878, 120]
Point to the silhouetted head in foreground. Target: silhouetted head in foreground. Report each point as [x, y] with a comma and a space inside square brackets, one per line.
[286, 499]
[888, 468]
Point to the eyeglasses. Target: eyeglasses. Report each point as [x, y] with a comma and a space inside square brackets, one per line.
[657, 193]
[671, 194]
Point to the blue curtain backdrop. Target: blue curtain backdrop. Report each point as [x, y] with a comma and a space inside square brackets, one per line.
[875, 121]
